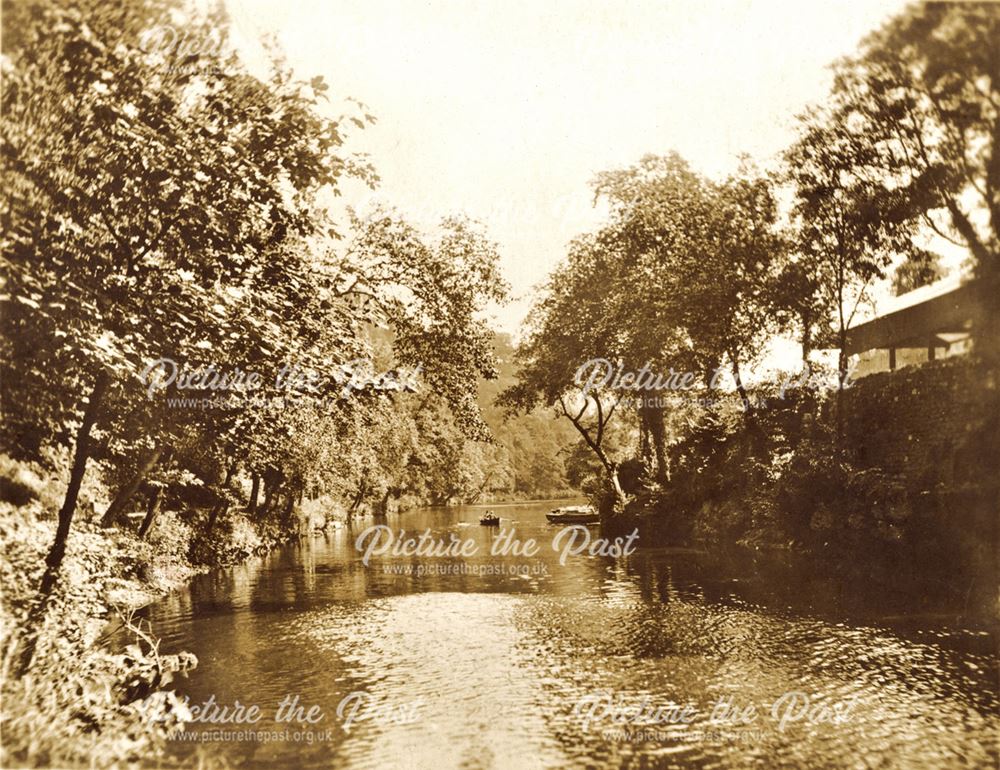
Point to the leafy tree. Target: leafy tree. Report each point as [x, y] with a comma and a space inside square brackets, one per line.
[798, 301]
[146, 208]
[924, 95]
[431, 294]
[567, 328]
[659, 240]
[851, 220]
[682, 277]
[921, 268]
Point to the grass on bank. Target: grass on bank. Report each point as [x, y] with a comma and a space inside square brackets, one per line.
[81, 703]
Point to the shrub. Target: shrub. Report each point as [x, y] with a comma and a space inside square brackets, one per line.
[91, 708]
[80, 704]
[233, 538]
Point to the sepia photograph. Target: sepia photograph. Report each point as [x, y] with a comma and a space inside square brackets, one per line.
[499, 384]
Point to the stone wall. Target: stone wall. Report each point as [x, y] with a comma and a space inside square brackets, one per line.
[935, 430]
[918, 490]
[935, 424]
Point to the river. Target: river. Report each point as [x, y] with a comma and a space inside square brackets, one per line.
[523, 662]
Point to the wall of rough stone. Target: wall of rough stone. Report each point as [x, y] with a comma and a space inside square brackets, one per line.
[935, 424]
[936, 429]
[919, 489]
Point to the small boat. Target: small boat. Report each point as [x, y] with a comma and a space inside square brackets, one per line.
[490, 519]
[573, 514]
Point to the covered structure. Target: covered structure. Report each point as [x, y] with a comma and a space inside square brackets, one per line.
[931, 322]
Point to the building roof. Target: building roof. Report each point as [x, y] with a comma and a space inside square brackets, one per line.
[915, 319]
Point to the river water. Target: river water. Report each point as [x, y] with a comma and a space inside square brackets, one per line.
[514, 661]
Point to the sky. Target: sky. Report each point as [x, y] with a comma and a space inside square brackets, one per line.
[505, 109]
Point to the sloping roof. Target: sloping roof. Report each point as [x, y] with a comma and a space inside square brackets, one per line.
[913, 319]
[921, 294]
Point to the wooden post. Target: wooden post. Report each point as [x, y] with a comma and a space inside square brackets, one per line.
[892, 359]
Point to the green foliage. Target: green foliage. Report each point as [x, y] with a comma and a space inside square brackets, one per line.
[93, 707]
[83, 704]
[921, 268]
[169, 540]
[535, 444]
[683, 276]
[163, 212]
[229, 542]
[688, 273]
[851, 219]
[430, 293]
[922, 99]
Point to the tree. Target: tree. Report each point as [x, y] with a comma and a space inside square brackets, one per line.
[533, 445]
[566, 330]
[924, 94]
[703, 257]
[798, 301]
[851, 220]
[733, 296]
[431, 293]
[659, 239]
[146, 207]
[682, 276]
[920, 268]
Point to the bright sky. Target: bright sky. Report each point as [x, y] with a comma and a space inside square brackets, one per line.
[505, 109]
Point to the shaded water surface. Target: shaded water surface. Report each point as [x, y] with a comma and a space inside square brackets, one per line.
[496, 662]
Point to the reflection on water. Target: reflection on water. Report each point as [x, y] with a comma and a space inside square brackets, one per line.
[493, 656]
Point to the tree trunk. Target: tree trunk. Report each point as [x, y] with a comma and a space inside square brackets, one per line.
[230, 472]
[842, 352]
[151, 510]
[476, 496]
[744, 397]
[621, 499]
[841, 376]
[362, 488]
[218, 508]
[645, 450]
[594, 442]
[254, 494]
[54, 559]
[277, 485]
[286, 514]
[125, 494]
[652, 418]
[806, 338]
[268, 494]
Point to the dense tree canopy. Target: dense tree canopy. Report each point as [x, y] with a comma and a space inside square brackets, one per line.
[923, 100]
[692, 274]
[682, 277]
[165, 225]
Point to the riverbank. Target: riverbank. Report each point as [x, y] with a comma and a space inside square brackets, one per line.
[906, 481]
[81, 704]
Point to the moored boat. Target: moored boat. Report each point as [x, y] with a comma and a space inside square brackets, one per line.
[573, 514]
[490, 519]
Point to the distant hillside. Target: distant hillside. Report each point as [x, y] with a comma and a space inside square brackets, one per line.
[537, 443]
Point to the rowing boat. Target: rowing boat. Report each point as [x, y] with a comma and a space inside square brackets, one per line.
[573, 514]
